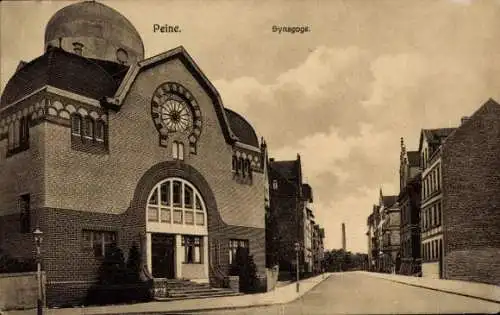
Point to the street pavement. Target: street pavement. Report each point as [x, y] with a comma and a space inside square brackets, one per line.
[358, 293]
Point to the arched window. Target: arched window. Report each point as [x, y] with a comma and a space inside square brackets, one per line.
[181, 150]
[241, 166]
[176, 201]
[235, 163]
[16, 133]
[249, 168]
[99, 130]
[89, 127]
[122, 56]
[78, 48]
[11, 137]
[76, 125]
[178, 150]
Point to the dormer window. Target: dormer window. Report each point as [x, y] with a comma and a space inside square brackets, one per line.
[78, 48]
[122, 56]
[275, 184]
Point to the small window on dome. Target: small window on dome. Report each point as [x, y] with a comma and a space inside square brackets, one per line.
[122, 56]
[78, 48]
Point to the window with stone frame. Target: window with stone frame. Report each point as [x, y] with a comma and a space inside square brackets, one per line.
[235, 164]
[18, 136]
[192, 249]
[98, 241]
[275, 184]
[76, 125]
[25, 213]
[178, 150]
[99, 131]
[88, 131]
[234, 244]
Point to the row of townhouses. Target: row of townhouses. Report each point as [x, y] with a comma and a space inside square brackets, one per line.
[100, 145]
[445, 222]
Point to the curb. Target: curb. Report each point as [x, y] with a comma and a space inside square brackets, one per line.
[442, 290]
[221, 308]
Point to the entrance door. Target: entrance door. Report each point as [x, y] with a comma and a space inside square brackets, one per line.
[163, 255]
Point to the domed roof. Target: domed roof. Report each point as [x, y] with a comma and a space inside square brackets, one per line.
[91, 23]
[242, 128]
[67, 71]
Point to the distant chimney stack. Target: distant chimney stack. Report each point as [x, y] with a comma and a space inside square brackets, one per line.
[343, 237]
[464, 120]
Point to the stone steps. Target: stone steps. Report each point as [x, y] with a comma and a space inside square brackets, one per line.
[184, 289]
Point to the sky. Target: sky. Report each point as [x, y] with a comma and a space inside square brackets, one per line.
[341, 95]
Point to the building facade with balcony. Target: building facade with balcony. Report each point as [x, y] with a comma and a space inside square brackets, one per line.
[409, 200]
[99, 145]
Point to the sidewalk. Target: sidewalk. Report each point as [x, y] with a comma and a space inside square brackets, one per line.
[281, 295]
[487, 292]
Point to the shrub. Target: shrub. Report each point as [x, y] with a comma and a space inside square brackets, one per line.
[119, 282]
[244, 266]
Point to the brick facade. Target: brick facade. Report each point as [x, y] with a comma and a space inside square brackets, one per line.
[73, 189]
[471, 198]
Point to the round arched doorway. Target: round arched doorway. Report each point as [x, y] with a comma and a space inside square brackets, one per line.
[177, 232]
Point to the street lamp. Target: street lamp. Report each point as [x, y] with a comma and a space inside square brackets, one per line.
[297, 249]
[37, 234]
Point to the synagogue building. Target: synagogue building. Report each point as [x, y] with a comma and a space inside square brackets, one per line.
[101, 145]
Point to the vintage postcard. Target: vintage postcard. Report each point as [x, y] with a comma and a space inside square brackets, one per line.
[250, 157]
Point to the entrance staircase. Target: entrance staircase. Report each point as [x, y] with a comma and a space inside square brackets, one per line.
[177, 289]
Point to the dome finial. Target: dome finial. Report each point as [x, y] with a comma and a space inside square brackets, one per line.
[102, 30]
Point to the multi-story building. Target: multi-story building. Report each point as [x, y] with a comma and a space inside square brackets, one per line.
[308, 240]
[318, 248]
[372, 238]
[391, 226]
[387, 222]
[99, 145]
[290, 215]
[460, 204]
[409, 201]
[431, 200]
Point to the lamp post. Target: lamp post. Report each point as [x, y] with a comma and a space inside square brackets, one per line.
[297, 249]
[37, 234]
[382, 262]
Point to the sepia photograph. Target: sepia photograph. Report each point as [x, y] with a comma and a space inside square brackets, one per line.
[249, 157]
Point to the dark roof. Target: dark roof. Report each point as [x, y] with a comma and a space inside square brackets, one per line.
[307, 192]
[67, 71]
[242, 128]
[287, 169]
[413, 158]
[389, 200]
[436, 135]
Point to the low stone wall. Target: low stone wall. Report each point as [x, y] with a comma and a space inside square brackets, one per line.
[20, 290]
[272, 278]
